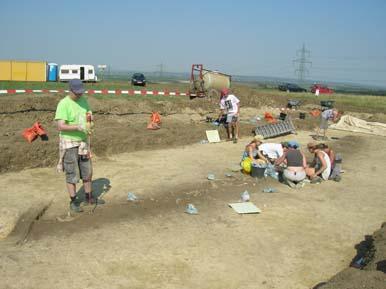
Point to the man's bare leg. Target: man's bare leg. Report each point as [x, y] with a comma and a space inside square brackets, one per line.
[71, 188]
[235, 132]
[317, 132]
[87, 186]
[228, 132]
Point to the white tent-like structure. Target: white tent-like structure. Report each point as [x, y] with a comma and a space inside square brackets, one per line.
[350, 123]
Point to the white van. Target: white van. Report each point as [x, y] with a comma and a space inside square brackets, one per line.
[77, 71]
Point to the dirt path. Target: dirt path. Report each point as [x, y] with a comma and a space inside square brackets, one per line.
[302, 237]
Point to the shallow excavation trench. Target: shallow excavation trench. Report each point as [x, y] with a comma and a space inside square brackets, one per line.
[32, 225]
[25, 225]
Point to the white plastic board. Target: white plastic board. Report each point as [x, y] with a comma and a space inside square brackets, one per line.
[213, 136]
[245, 208]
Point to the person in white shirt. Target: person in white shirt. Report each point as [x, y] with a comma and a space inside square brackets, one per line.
[230, 105]
[269, 152]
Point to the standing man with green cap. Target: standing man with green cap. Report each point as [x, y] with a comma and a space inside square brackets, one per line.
[71, 117]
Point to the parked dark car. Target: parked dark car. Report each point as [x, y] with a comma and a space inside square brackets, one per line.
[138, 79]
[291, 87]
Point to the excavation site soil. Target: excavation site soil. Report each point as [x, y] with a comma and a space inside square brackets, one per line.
[303, 238]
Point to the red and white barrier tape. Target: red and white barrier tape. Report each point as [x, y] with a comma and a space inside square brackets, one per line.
[102, 91]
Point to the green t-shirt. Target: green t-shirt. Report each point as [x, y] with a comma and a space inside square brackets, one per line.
[73, 113]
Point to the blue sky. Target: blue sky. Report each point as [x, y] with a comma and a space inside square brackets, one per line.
[347, 38]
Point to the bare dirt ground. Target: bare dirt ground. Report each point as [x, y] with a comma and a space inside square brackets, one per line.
[301, 238]
[371, 259]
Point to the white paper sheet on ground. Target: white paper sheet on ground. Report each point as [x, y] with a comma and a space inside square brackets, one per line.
[213, 135]
[245, 208]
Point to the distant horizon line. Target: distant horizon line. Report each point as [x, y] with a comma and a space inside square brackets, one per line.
[257, 78]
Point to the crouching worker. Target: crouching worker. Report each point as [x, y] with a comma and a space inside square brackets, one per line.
[270, 152]
[295, 163]
[252, 149]
[74, 151]
[320, 168]
[335, 160]
[251, 153]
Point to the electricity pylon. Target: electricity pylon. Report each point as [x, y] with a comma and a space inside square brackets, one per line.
[301, 71]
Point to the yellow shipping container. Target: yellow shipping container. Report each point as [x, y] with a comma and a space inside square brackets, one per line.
[5, 70]
[19, 70]
[23, 70]
[36, 71]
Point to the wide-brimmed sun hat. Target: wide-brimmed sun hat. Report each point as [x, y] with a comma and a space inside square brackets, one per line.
[258, 137]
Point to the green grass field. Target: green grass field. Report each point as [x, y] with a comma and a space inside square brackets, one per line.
[355, 102]
[108, 84]
[365, 103]
[344, 101]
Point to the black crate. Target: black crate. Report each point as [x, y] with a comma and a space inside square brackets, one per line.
[327, 103]
[293, 103]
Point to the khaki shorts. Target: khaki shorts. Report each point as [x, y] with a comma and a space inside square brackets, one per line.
[72, 162]
[232, 118]
[323, 123]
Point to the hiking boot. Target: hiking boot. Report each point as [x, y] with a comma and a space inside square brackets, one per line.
[316, 180]
[300, 185]
[290, 184]
[75, 207]
[320, 137]
[337, 178]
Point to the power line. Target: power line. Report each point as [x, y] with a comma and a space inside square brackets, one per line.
[161, 69]
[301, 71]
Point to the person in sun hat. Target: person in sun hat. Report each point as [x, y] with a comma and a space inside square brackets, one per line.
[251, 154]
[230, 106]
[74, 152]
[251, 149]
